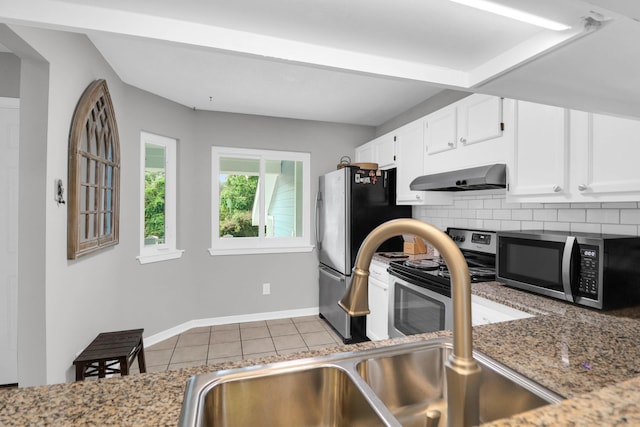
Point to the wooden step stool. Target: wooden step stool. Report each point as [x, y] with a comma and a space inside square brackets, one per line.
[109, 349]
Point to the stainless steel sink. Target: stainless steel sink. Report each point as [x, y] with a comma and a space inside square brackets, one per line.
[410, 384]
[391, 386]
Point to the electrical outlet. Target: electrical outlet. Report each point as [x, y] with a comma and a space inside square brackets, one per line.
[266, 288]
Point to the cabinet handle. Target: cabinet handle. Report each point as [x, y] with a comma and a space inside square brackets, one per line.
[417, 197]
[450, 144]
[556, 188]
[463, 140]
[582, 187]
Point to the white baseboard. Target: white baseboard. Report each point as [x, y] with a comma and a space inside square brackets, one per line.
[213, 321]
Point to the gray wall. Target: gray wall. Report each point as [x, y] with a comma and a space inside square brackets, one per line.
[64, 304]
[10, 72]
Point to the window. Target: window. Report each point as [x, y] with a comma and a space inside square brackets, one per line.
[261, 201]
[158, 199]
[94, 174]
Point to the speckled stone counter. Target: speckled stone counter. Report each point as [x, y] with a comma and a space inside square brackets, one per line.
[590, 357]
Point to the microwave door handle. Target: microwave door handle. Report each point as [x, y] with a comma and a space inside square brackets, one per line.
[569, 270]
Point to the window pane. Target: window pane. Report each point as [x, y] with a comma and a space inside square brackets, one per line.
[154, 194]
[238, 183]
[283, 198]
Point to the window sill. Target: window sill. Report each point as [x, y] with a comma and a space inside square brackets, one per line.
[255, 251]
[160, 256]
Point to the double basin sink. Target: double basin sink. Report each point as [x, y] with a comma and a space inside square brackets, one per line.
[401, 385]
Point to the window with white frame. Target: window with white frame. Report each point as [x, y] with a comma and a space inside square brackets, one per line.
[158, 199]
[260, 201]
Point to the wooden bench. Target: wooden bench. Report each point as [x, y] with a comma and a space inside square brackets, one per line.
[109, 349]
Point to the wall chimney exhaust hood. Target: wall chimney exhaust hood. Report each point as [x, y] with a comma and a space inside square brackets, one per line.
[477, 178]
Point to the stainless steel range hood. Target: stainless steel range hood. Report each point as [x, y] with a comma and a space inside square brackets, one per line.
[478, 178]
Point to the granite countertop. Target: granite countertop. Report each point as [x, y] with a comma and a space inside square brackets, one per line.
[590, 357]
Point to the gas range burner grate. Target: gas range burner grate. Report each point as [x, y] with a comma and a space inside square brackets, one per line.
[423, 264]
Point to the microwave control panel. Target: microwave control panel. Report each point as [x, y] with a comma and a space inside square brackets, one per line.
[588, 282]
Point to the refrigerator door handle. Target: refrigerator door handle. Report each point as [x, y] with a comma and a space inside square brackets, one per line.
[315, 219]
[331, 274]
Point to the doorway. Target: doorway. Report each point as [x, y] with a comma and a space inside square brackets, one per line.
[9, 138]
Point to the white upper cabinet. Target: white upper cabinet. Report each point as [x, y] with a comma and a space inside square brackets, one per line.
[537, 165]
[467, 133]
[479, 119]
[441, 130]
[561, 155]
[410, 162]
[381, 150]
[605, 152]
[366, 153]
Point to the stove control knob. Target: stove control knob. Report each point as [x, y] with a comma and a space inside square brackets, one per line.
[461, 239]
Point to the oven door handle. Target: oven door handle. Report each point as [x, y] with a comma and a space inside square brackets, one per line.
[570, 276]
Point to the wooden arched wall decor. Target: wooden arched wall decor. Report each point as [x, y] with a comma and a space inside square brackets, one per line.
[94, 174]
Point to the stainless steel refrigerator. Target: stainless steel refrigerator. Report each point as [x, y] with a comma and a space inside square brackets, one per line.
[350, 203]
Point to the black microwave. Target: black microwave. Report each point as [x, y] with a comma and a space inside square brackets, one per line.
[594, 270]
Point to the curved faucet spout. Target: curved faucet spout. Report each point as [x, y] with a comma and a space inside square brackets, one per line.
[463, 374]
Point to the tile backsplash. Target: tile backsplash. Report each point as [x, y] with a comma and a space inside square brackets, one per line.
[489, 210]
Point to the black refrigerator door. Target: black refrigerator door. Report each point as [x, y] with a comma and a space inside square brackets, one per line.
[373, 202]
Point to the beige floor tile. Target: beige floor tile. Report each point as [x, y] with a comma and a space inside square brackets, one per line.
[317, 338]
[254, 333]
[198, 330]
[193, 339]
[224, 336]
[228, 349]
[306, 327]
[288, 341]
[286, 321]
[169, 343]
[283, 329]
[174, 366]
[228, 327]
[189, 354]
[157, 357]
[260, 345]
[257, 324]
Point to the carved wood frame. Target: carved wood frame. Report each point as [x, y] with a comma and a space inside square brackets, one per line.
[93, 212]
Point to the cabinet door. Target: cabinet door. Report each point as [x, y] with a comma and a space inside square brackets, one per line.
[365, 153]
[386, 151]
[538, 161]
[608, 157]
[377, 322]
[479, 119]
[410, 162]
[441, 130]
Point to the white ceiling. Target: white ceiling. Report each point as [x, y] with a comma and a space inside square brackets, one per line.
[356, 61]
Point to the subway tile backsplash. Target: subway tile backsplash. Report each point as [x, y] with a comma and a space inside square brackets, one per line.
[489, 210]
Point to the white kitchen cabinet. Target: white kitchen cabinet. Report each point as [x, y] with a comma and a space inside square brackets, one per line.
[377, 321]
[561, 155]
[537, 165]
[366, 153]
[468, 133]
[381, 150]
[441, 130]
[410, 165]
[605, 152]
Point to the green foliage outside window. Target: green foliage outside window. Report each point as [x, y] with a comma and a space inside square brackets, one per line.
[154, 205]
[237, 194]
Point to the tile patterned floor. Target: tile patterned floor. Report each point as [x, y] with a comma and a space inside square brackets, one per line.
[215, 344]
